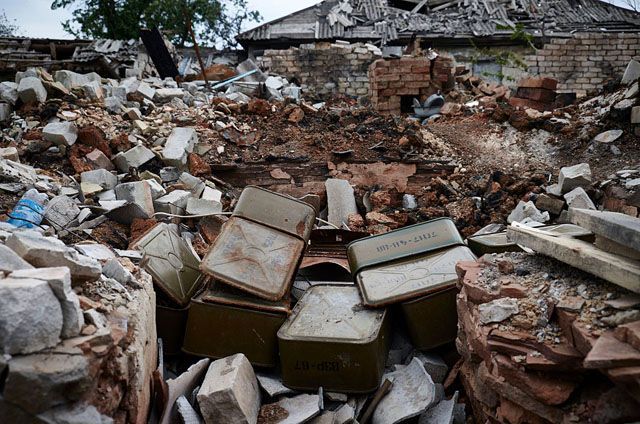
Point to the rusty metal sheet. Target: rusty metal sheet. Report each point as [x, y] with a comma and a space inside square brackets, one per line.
[254, 258]
[403, 243]
[172, 264]
[406, 279]
[277, 211]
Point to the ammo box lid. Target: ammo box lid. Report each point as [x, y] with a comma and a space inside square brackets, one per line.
[171, 263]
[277, 211]
[332, 314]
[408, 241]
[413, 277]
[225, 295]
[252, 257]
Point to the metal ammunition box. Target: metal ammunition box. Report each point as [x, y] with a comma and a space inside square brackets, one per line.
[261, 245]
[401, 265]
[332, 340]
[498, 243]
[432, 320]
[170, 326]
[410, 278]
[223, 322]
[403, 243]
[172, 264]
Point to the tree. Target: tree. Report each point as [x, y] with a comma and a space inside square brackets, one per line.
[8, 28]
[215, 22]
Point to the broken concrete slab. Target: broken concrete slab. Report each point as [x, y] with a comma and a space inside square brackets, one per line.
[194, 184]
[608, 137]
[180, 143]
[183, 385]
[101, 177]
[442, 413]
[9, 92]
[137, 192]
[70, 79]
[31, 90]
[114, 269]
[39, 382]
[578, 198]
[93, 90]
[434, 365]
[186, 412]
[61, 133]
[341, 201]
[580, 254]
[299, 409]
[631, 73]
[10, 261]
[59, 280]
[51, 252]
[230, 390]
[550, 204]
[527, 211]
[574, 176]
[272, 384]
[133, 158]
[27, 326]
[202, 207]
[174, 202]
[145, 90]
[498, 310]
[413, 392]
[96, 251]
[61, 212]
[624, 229]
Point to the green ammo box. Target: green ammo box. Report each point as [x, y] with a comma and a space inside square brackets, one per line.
[170, 326]
[415, 268]
[332, 341]
[223, 322]
[260, 247]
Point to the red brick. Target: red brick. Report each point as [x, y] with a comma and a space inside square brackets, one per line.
[416, 84]
[420, 69]
[391, 77]
[544, 82]
[608, 352]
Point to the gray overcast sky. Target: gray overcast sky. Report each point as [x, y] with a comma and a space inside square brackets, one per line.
[36, 19]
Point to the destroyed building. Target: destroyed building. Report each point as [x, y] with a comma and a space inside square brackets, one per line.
[219, 246]
[579, 43]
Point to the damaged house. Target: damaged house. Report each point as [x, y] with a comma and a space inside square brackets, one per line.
[581, 43]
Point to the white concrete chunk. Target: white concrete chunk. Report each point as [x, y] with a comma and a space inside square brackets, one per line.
[632, 73]
[96, 251]
[300, 408]
[180, 143]
[574, 176]
[442, 413]
[61, 212]
[202, 207]
[340, 200]
[101, 177]
[133, 158]
[10, 261]
[31, 318]
[230, 392]
[99, 160]
[527, 211]
[413, 392]
[272, 384]
[61, 133]
[434, 365]
[138, 192]
[114, 269]
[31, 90]
[498, 310]
[9, 92]
[578, 198]
[145, 90]
[174, 202]
[59, 280]
[93, 90]
[608, 136]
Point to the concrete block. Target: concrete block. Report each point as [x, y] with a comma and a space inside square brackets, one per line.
[9, 153]
[167, 94]
[114, 269]
[93, 90]
[96, 251]
[39, 382]
[132, 158]
[174, 202]
[61, 133]
[138, 192]
[527, 211]
[194, 184]
[101, 177]
[202, 207]
[70, 79]
[578, 198]
[59, 280]
[230, 392]
[146, 91]
[113, 104]
[631, 73]
[99, 160]
[9, 92]
[442, 413]
[574, 176]
[50, 252]
[622, 228]
[550, 204]
[31, 318]
[31, 90]
[156, 189]
[340, 200]
[10, 261]
[180, 143]
[61, 212]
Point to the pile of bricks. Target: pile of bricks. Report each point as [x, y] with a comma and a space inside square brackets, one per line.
[324, 69]
[535, 93]
[395, 78]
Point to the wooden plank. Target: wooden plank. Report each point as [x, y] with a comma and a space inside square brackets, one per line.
[580, 254]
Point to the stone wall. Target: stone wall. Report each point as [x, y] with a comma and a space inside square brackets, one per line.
[584, 62]
[324, 69]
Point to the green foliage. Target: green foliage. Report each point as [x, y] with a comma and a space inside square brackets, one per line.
[504, 58]
[8, 28]
[215, 22]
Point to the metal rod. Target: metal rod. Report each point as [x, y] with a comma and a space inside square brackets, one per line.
[195, 47]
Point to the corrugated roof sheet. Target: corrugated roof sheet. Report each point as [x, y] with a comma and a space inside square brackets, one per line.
[354, 19]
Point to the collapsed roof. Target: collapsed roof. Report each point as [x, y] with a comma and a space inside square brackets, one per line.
[379, 20]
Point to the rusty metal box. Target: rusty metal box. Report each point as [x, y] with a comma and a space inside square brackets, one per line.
[260, 247]
[223, 321]
[401, 265]
[332, 341]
